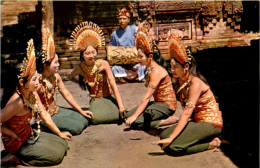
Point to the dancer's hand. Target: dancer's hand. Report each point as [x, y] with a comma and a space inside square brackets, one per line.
[130, 120]
[122, 112]
[87, 114]
[65, 135]
[164, 142]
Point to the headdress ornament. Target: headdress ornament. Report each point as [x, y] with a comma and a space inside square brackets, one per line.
[28, 67]
[48, 48]
[124, 12]
[87, 34]
[178, 51]
[143, 40]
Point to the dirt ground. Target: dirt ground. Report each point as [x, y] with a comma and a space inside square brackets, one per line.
[115, 146]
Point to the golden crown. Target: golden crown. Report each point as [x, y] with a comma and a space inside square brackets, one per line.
[48, 48]
[87, 34]
[28, 67]
[143, 40]
[178, 51]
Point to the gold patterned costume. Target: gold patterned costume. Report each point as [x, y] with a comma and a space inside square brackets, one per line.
[206, 109]
[164, 93]
[97, 81]
[47, 93]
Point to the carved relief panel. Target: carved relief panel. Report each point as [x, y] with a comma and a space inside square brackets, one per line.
[180, 29]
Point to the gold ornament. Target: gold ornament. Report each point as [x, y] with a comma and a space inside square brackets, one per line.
[48, 48]
[87, 34]
[178, 51]
[143, 40]
[28, 67]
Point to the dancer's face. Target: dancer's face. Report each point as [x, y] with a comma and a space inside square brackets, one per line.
[142, 58]
[123, 21]
[178, 71]
[32, 83]
[89, 55]
[54, 66]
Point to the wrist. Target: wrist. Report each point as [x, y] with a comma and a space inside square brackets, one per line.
[81, 112]
[59, 134]
[121, 107]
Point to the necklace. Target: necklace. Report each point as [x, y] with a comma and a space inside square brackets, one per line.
[49, 88]
[184, 92]
[148, 74]
[185, 83]
[92, 72]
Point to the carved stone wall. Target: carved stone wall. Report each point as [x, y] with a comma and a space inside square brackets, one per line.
[200, 24]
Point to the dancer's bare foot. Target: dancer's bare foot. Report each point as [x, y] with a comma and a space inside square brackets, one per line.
[214, 143]
[170, 120]
[10, 159]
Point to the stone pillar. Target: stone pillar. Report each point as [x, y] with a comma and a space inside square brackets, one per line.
[47, 18]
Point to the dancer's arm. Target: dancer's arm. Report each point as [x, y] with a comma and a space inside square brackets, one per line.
[105, 66]
[73, 75]
[70, 99]
[155, 78]
[46, 117]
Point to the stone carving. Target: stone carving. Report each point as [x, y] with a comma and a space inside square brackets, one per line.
[232, 14]
[121, 55]
[211, 12]
[181, 29]
[177, 5]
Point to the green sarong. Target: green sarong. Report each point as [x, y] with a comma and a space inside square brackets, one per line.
[148, 119]
[105, 110]
[48, 150]
[69, 120]
[194, 138]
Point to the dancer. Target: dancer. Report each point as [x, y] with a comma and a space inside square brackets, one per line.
[199, 103]
[158, 84]
[96, 75]
[65, 119]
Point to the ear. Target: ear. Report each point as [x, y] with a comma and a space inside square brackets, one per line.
[150, 56]
[21, 82]
[128, 20]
